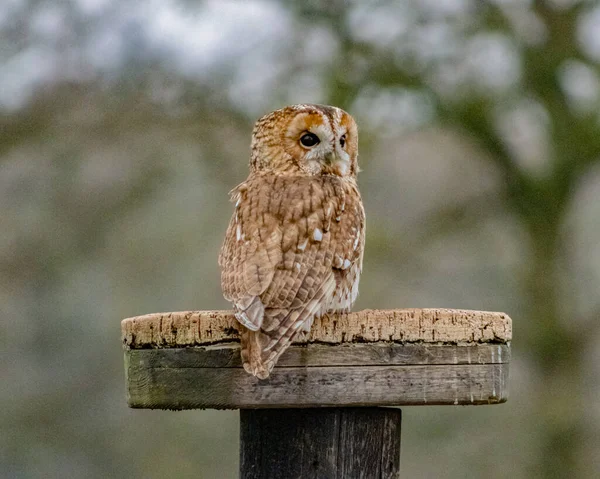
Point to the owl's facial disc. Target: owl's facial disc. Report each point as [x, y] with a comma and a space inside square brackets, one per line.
[324, 152]
[319, 140]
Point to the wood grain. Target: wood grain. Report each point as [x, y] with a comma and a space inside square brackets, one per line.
[172, 387]
[197, 328]
[369, 358]
[227, 355]
[326, 443]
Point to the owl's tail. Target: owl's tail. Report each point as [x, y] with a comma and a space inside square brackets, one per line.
[253, 356]
[260, 352]
[261, 349]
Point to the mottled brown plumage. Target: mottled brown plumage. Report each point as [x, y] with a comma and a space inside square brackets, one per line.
[293, 250]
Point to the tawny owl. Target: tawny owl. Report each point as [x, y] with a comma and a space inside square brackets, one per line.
[294, 247]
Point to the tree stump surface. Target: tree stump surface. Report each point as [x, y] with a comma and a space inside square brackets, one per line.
[188, 360]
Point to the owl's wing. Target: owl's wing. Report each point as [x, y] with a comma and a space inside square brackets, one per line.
[249, 255]
[289, 244]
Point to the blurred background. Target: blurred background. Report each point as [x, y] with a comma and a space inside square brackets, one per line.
[124, 124]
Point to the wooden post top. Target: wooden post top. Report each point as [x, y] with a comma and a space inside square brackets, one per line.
[191, 359]
[433, 325]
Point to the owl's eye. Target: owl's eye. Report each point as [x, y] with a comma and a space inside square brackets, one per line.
[309, 140]
[343, 141]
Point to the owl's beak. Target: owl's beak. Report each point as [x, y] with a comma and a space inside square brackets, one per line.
[330, 157]
[334, 164]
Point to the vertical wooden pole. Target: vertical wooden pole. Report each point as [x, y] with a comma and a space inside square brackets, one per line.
[324, 443]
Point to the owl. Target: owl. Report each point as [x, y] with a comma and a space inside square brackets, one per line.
[294, 247]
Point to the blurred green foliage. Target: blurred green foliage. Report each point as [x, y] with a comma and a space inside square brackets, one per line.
[123, 126]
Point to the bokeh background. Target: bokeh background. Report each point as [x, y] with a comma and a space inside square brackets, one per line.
[124, 124]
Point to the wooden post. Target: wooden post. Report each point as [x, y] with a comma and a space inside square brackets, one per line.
[320, 443]
[369, 359]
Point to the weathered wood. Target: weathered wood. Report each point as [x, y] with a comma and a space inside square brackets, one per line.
[384, 374]
[362, 364]
[198, 328]
[327, 443]
[227, 355]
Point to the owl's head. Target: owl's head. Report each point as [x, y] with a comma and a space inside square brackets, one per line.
[306, 140]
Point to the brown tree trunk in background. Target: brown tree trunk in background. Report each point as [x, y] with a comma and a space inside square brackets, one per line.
[557, 355]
